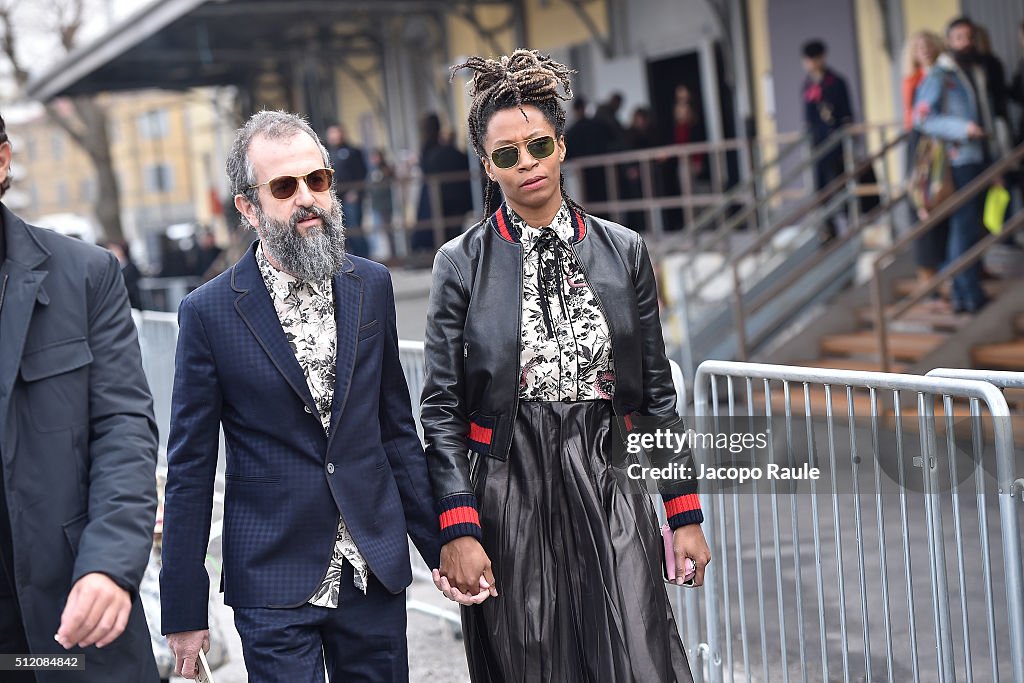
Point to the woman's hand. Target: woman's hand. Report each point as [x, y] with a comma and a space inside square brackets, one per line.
[688, 542]
[465, 565]
[454, 594]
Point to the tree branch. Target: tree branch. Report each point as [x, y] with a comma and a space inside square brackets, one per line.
[9, 44]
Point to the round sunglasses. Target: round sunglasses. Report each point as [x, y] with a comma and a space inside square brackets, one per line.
[508, 156]
[284, 186]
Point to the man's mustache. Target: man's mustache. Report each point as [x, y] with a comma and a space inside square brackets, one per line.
[306, 214]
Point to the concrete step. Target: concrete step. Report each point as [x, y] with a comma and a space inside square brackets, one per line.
[905, 287]
[904, 346]
[935, 315]
[1004, 356]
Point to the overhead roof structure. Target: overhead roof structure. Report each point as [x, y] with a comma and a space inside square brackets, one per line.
[188, 43]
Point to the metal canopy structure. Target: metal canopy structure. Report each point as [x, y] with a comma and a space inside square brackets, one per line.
[278, 54]
[188, 43]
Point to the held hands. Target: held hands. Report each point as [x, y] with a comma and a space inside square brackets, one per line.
[96, 612]
[689, 542]
[974, 131]
[465, 575]
[185, 646]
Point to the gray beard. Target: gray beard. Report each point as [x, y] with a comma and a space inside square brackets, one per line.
[315, 256]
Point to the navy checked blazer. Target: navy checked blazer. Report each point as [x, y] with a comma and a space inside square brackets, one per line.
[285, 480]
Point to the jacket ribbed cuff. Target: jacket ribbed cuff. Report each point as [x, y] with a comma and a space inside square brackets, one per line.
[683, 510]
[459, 517]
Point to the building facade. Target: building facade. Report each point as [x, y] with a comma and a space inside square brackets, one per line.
[168, 151]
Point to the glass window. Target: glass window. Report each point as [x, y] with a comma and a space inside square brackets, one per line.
[159, 178]
[153, 124]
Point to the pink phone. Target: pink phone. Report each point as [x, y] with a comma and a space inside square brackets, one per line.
[668, 562]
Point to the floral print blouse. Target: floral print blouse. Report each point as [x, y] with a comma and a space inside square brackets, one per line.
[306, 312]
[566, 346]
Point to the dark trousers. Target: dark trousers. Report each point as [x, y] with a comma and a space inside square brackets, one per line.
[363, 640]
[965, 229]
[827, 169]
[12, 634]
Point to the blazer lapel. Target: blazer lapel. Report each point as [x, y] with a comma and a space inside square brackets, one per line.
[257, 311]
[348, 304]
[20, 290]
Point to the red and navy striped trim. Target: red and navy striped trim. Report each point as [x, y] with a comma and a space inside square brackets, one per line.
[502, 224]
[683, 510]
[580, 226]
[459, 517]
[481, 433]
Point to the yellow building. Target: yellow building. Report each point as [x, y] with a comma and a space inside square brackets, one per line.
[168, 151]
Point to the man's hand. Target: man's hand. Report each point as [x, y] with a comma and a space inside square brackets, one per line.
[453, 593]
[974, 131]
[185, 646]
[463, 563]
[688, 542]
[95, 614]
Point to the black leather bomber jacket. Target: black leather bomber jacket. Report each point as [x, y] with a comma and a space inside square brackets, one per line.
[471, 392]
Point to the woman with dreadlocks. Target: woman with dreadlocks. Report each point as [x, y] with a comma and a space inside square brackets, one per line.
[543, 329]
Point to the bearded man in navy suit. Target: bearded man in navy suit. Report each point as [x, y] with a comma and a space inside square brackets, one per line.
[294, 352]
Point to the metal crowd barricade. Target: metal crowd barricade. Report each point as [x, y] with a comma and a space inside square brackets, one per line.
[923, 596]
[158, 337]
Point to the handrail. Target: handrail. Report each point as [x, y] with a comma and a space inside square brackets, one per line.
[750, 185]
[827, 146]
[814, 201]
[840, 136]
[742, 311]
[687, 199]
[881, 317]
[737, 219]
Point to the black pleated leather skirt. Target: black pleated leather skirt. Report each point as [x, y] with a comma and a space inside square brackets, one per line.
[576, 553]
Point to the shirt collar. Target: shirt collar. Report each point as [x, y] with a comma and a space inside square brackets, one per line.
[561, 224]
[281, 284]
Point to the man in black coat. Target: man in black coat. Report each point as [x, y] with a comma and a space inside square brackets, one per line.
[78, 448]
[349, 167]
[827, 108]
[586, 137]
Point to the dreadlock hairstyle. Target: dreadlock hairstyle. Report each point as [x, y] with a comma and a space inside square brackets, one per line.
[524, 77]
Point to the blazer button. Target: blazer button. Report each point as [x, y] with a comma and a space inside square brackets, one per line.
[306, 408]
[330, 468]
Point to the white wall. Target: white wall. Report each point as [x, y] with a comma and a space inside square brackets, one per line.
[662, 28]
[656, 29]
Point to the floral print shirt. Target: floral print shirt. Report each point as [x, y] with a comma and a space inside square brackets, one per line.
[566, 346]
[306, 312]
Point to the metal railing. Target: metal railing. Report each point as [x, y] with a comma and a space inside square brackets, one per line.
[845, 140]
[884, 317]
[852, 426]
[393, 216]
[770, 277]
[712, 198]
[841, 190]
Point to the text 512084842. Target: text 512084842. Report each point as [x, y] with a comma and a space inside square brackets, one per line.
[66, 662]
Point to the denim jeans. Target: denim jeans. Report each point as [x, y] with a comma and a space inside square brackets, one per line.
[965, 229]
